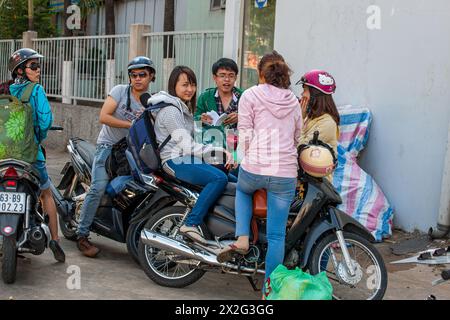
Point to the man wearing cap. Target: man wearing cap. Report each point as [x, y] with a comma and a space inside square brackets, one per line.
[121, 107]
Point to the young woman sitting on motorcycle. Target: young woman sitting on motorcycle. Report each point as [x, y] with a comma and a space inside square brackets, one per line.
[318, 108]
[269, 127]
[182, 156]
[25, 70]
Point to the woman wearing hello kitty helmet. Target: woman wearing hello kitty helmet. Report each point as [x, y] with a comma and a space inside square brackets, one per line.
[318, 108]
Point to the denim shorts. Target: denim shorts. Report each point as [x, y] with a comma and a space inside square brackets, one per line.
[44, 181]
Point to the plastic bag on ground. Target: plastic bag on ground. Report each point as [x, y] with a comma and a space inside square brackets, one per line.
[285, 284]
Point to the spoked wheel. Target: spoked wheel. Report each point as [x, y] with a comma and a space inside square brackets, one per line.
[167, 268]
[69, 229]
[369, 281]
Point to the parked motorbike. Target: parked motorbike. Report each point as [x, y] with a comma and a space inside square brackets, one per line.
[23, 224]
[319, 238]
[121, 215]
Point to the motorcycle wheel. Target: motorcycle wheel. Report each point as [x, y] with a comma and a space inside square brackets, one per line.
[9, 260]
[133, 236]
[158, 264]
[370, 279]
[69, 229]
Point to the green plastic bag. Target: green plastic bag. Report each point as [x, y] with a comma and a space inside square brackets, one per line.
[16, 129]
[285, 284]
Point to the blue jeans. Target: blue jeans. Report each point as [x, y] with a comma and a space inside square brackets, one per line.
[99, 182]
[44, 181]
[280, 193]
[195, 172]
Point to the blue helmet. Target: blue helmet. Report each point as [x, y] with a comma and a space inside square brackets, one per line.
[141, 62]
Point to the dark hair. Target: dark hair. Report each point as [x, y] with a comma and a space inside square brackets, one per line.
[322, 104]
[173, 80]
[225, 63]
[275, 70]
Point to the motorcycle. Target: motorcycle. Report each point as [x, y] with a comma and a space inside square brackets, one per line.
[319, 238]
[23, 224]
[121, 213]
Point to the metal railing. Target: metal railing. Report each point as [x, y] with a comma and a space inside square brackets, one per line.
[86, 68]
[83, 68]
[197, 50]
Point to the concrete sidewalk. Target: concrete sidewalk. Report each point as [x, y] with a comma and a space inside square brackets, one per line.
[114, 275]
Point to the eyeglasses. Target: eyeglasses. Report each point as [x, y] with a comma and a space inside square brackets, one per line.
[34, 66]
[142, 75]
[223, 76]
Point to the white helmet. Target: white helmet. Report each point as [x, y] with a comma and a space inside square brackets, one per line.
[317, 158]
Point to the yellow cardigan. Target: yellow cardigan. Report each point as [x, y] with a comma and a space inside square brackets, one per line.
[327, 127]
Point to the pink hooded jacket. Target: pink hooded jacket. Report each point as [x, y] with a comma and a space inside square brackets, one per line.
[270, 124]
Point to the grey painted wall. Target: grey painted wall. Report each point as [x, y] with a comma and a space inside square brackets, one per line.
[129, 12]
[193, 15]
[401, 72]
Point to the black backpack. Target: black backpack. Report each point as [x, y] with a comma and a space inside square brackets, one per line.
[117, 164]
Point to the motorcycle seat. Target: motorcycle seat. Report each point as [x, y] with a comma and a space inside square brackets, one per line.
[86, 151]
[230, 190]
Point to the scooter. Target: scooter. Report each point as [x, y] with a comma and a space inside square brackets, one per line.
[23, 224]
[124, 207]
[319, 238]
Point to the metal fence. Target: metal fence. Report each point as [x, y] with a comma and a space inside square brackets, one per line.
[7, 47]
[90, 66]
[86, 68]
[197, 50]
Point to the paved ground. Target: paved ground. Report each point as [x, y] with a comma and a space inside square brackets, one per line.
[115, 276]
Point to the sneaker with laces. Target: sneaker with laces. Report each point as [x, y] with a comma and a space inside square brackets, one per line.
[87, 248]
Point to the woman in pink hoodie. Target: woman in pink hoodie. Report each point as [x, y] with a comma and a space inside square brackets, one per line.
[269, 125]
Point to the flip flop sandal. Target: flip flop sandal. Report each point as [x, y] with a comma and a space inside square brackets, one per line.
[227, 254]
[193, 237]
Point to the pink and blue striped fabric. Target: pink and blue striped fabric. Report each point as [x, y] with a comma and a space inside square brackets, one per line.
[362, 197]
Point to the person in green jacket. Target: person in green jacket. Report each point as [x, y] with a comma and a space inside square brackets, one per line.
[222, 99]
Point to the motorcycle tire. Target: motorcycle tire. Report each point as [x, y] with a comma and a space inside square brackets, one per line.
[132, 239]
[69, 233]
[180, 282]
[315, 264]
[9, 260]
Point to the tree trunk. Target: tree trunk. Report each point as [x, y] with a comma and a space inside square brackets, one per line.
[169, 25]
[110, 27]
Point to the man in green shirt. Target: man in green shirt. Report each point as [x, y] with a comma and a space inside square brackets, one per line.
[222, 99]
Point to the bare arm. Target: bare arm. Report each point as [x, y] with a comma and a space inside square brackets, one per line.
[107, 118]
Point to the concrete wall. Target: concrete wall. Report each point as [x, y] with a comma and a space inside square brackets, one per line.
[77, 121]
[401, 72]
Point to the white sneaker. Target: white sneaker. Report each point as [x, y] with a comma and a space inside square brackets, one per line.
[193, 233]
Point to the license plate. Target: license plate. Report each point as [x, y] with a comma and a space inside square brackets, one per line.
[12, 202]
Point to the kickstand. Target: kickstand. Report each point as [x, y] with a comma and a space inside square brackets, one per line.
[253, 283]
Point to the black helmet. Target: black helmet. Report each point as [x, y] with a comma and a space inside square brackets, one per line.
[21, 56]
[141, 63]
